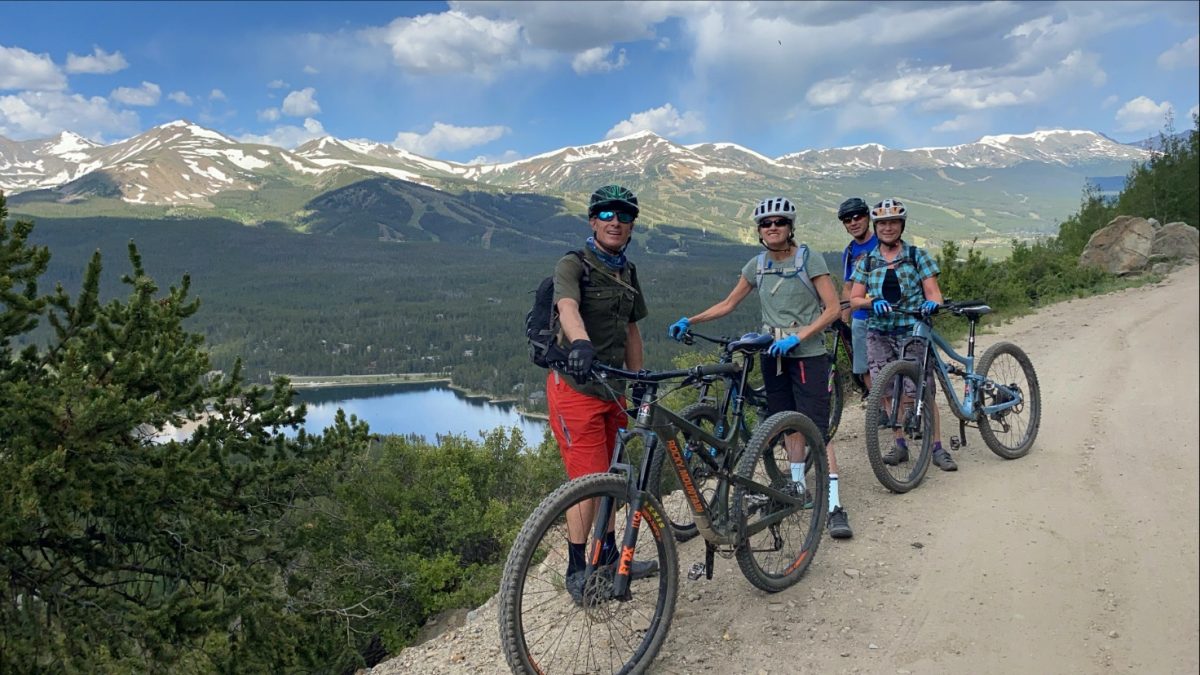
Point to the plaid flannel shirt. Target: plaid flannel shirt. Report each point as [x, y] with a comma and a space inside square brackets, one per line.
[922, 266]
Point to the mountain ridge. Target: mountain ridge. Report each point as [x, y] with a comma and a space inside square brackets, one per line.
[188, 170]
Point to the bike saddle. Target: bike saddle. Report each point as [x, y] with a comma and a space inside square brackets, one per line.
[750, 342]
[972, 309]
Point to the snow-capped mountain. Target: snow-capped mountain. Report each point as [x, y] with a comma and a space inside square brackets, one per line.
[376, 157]
[45, 162]
[1063, 147]
[175, 163]
[707, 186]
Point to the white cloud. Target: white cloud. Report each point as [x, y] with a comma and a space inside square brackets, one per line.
[576, 26]
[288, 136]
[217, 95]
[310, 70]
[942, 87]
[1183, 55]
[38, 114]
[829, 92]
[21, 69]
[451, 42]
[180, 97]
[595, 60]
[98, 62]
[447, 137]
[1143, 114]
[301, 103]
[1109, 101]
[269, 115]
[503, 158]
[664, 121]
[963, 122]
[277, 84]
[147, 94]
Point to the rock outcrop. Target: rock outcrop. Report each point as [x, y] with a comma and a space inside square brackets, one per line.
[1129, 245]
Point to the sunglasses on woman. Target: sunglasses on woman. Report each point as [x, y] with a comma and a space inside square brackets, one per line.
[621, 216]
[778, 222]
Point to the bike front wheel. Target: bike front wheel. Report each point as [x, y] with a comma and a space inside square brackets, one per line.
[549, 624]
[775, 556]
[892, 417]
[1009, 433]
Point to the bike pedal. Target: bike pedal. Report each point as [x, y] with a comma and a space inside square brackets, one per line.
[954, 443]
[696, 571]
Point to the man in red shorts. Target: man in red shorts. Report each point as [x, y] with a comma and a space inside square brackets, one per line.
[599, 324]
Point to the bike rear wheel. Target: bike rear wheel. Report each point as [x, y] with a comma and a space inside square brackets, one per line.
[890, 410]
[1010, 433]
[836, 401]
[543, 630]
[776, 557]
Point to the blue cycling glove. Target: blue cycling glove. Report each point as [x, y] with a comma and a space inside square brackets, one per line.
[678, 328]
[880, 307]
[929, 308]
[783, 346]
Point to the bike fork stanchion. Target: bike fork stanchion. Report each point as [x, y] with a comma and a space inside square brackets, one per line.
[628, 542]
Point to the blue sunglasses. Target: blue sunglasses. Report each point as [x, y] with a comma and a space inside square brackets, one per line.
[621, 216]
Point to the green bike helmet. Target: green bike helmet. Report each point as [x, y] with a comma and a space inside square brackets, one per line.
[612, 198]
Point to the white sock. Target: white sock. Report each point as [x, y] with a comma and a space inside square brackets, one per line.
[833, 493]
[798, 472]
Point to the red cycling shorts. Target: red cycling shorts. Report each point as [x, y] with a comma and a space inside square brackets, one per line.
[584, 426]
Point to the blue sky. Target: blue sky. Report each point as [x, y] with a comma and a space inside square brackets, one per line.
[495, 81]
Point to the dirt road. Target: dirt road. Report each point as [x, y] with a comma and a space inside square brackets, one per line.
[1080, 558]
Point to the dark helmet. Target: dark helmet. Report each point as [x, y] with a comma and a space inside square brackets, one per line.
[612, 197]
[852, 207]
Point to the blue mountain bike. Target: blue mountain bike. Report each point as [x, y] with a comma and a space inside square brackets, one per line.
[1000, 396]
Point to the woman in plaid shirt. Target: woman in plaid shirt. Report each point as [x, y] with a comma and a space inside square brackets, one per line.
[903, 276]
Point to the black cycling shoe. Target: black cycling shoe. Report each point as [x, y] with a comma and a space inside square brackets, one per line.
[640, 569]
[943, 460]
[839, 524]
[575, 583]
[896, 455]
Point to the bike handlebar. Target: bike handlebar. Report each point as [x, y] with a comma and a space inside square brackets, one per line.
[693, 373]
[955, 308]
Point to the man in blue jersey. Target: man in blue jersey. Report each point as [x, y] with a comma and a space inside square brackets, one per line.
[854, 214]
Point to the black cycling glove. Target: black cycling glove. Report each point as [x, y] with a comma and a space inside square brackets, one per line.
[580, 358]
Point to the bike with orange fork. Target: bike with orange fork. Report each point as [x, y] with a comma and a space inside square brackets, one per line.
[612, 612]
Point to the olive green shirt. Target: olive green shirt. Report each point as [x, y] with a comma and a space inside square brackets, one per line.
[607, 308]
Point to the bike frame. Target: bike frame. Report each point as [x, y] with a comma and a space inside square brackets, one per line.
[656, 425]
[967, 408]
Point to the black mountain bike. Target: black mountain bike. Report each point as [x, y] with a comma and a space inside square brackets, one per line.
[604, 618]
[838, 340]
[1001, 397]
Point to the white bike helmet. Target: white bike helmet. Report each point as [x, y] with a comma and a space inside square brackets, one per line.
[774, 206]
[889, 209]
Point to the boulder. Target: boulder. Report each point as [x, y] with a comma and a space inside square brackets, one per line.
[1121, 247]
[1176, 241]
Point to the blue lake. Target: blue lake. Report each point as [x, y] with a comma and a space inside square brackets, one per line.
[425, 410]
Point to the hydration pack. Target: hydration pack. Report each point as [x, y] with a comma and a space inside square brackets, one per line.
[801, 271]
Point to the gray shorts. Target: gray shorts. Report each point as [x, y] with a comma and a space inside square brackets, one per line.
[858, 332]
[883, 349]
